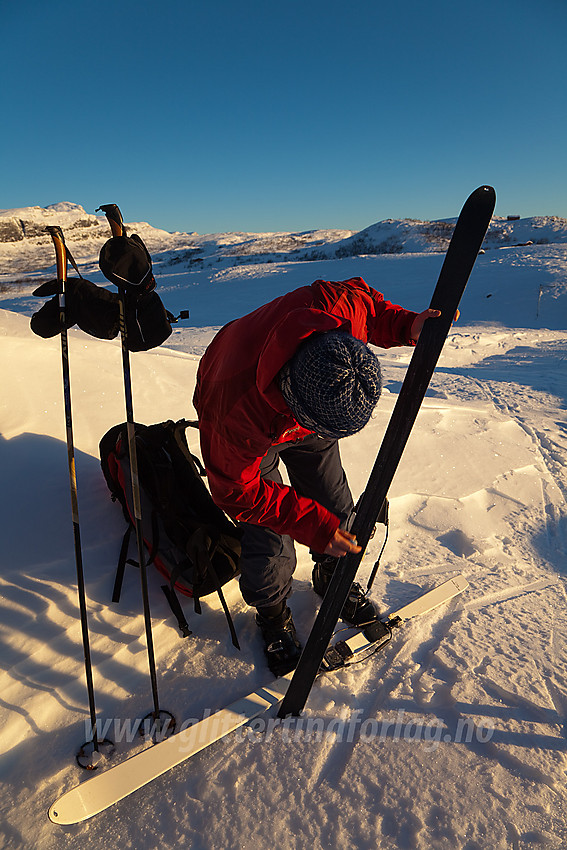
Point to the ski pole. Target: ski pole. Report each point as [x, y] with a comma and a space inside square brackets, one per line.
[114, 218]
[61, 259]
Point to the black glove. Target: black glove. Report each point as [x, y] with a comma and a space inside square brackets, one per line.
[97, 312]
[93, 308]
[148, 323]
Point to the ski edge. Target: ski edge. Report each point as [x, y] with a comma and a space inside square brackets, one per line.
[95, 794]
[431, 599]
[92, 796]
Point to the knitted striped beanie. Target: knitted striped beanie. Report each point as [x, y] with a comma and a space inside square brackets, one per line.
[332, 384]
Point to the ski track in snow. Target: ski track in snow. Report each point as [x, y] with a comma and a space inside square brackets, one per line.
[468, 702]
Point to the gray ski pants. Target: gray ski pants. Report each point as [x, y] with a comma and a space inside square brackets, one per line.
[268, 559]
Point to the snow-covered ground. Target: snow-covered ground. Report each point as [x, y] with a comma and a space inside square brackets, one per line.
[452, 737]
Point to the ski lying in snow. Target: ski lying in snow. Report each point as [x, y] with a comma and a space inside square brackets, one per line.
[101, 791]
[463, 249]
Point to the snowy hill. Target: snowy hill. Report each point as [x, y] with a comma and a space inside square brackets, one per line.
[25, 247]
[453, 737]
[397, 237]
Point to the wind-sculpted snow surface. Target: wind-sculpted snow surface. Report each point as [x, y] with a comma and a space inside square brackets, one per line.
[453, 736]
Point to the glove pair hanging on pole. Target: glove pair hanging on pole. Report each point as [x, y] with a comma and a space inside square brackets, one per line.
[124, 261]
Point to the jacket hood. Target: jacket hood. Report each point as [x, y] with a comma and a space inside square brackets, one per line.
[283, 341]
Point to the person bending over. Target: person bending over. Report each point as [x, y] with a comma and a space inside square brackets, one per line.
[287, 382]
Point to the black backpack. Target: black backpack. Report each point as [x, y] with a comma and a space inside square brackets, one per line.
[189, 539]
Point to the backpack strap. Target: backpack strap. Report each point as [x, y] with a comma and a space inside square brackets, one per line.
[175, 606]
[169, 592]
[120, 569]
[123, 556]
[229, 619]
[201, 553]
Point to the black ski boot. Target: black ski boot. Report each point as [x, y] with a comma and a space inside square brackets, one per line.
[282, 648]
[358, 610]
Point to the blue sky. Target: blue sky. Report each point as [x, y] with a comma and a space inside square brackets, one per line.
[258, 116]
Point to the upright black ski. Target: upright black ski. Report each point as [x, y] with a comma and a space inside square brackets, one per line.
[461, 255]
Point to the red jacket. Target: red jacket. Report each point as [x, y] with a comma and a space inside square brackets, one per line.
[241, 409]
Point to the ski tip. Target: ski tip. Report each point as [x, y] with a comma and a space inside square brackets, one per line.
[485, 194]
[460, 582]
[55, 816]
[478, 207]
[72, 808]
[68, 811]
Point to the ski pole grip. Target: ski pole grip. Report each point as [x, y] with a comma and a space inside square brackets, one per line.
[114, 218]
[60, 252]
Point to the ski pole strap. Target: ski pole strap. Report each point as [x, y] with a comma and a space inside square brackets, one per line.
[73, 263]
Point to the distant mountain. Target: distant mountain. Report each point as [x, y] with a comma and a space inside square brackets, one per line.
[24, 242]
[27, 222]
[25, 246]
[18, 225]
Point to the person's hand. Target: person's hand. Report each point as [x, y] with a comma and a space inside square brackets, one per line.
[421, 318]
[342, 543]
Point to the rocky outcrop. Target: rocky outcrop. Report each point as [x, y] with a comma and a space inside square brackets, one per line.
[11, 230]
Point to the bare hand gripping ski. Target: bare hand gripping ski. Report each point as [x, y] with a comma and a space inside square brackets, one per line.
[465, 244]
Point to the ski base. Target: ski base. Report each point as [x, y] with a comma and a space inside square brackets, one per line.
[103, 790]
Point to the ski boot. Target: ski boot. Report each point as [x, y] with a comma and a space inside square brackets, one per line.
[282, 648]
[358, 610]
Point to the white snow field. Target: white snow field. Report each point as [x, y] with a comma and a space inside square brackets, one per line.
[454, 736]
